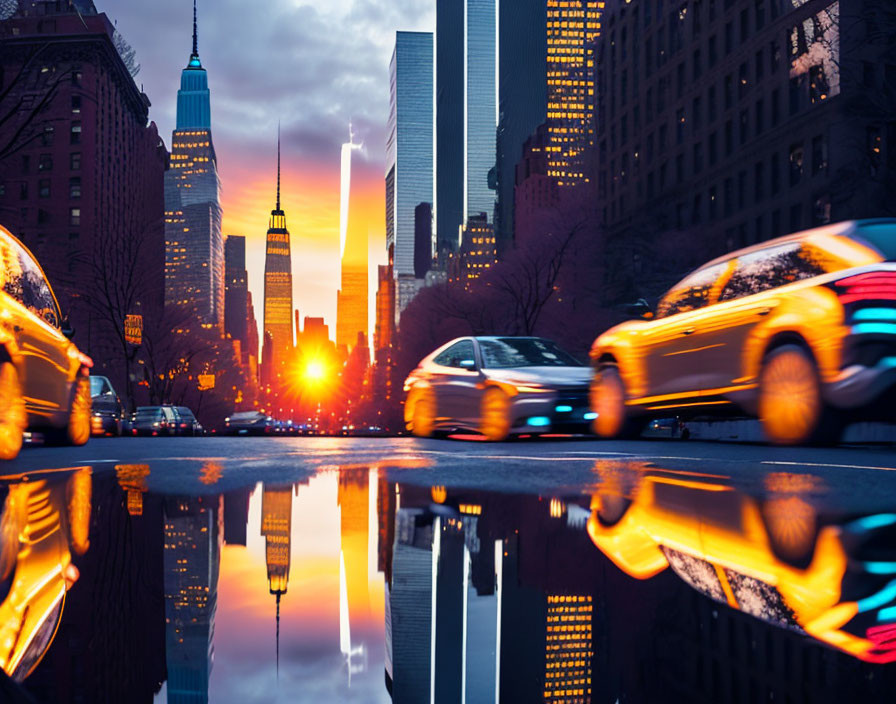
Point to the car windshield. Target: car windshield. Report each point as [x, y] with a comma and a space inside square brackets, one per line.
[511, 352]
[881, 236]
[246, 415]
[100, 386]
[185, 412]
[148, 412]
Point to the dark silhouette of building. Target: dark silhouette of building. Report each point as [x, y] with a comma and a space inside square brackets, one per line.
[422, 239]
[522, 99]
[236, 516]
[194, 262]
[81, 168]
[731, 124]
[535, 192]
[236, 293]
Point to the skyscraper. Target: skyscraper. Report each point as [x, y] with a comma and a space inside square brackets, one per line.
[480, 103]
[572, 28]
[277, 287]
[409, 158]
[276, 527]
[352, 298]
[236, 289]
[194, 257]
[449, 126]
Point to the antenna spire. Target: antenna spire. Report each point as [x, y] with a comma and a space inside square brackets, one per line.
[278, 636]
[278, 166]
[195, 32]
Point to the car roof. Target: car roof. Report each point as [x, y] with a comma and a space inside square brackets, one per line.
[839, 229]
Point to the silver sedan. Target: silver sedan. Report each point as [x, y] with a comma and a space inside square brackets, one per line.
[498, 386]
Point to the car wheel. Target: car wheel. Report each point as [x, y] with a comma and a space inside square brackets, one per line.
[13, 417]
[791, 408]
[77, 429]
[494, 415]
[423, 413]
[608, 402]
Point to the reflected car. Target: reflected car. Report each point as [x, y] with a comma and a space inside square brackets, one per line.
[772, 559]
[799, 331]
[250, 423]
[44, 383]
[185, 423]
[44, 518]
[498, 387]
[154, 421]
[108, 413]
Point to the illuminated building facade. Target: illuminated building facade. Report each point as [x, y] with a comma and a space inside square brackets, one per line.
[352, 298]
[409, 152]
[478, 252]
[193, 537]
[276, 527]
[194, 245]
[277, 288]
[353, 498]
[568, 653]
[572, 28]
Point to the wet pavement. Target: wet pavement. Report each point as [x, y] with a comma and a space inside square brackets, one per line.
[375, 570]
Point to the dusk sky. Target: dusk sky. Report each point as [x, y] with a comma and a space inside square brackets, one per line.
[313, 66]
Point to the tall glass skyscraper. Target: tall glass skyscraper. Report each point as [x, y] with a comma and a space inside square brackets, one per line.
[194, 245]
[277, 287]
[480, 101]
[352, 299]
[409, 151]
[573, 27]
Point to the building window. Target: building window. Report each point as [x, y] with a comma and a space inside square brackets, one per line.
[729, 138]
[697, 114]
[23, 191]
[744, 25]
[744, 127]
[729, 91]
[46, 139]
[76, 133]
[75, 161]
[679, 125]
[729, 38]
[697, 210]
[76, 75]
[760, 14]
[698, 157]
[679, 168]
[74, 217]
[26, 163]
[43, 188]
[776, 107]
[729, 196]
[76, 104]
[774, 56]
[776, 223]
[713, 148]
[776, 175]
[2, 190]
[696, 68]
[760, 109]
[819, 89]
[742, 190]
[713, 51]
[712, 105]
[821, 210]
[796, 163]
[74, 187]
[45, 162]
[713, 203]
[796, 217]
[875, 145]
[759, 182]
[819, 155]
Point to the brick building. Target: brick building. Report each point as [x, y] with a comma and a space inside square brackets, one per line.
[81, 169]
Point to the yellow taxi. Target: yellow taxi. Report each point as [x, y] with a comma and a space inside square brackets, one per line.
[44, 518]
[44, 383]
[799, 331]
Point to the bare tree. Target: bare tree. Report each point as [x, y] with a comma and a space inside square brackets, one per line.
[127, 53]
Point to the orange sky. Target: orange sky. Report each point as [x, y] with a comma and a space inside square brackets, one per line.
[310, 198]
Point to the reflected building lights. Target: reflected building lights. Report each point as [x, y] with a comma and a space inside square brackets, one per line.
[276, 527]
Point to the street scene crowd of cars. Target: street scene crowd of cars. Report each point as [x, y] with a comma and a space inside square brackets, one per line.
[799, 332]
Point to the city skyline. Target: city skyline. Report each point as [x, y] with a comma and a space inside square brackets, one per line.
[247, 101]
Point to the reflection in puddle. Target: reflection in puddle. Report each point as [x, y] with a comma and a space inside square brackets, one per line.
[651, 585]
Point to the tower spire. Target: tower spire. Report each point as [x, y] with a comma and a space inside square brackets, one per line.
[278, 166]
[195, 32]
[278, 636]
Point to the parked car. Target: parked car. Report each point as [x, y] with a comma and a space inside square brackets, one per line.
[498, 386]
[250, 423]
[106, 406]
[44, 383]
[154, 420]
[799, 331]
[186, 423]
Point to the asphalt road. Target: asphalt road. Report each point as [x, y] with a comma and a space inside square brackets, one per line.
[859, 478]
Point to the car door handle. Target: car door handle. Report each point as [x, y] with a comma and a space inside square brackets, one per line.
[689, 331]
[765, 311]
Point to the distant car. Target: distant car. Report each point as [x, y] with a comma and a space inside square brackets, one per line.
[799, 331]
[185, 422]
[250, 423]
[154, 420]
[498, 386]
[44, 383]
[106, 405]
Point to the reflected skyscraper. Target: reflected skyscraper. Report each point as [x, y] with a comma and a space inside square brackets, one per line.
[193, 538]
[352, 298]
[276, 526]
[354, 590]
[194, 246]
[277, 288]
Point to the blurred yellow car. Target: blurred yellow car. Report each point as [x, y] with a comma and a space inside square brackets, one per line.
[798, 331]
[44, 383]
[43, 519]
[771, 559]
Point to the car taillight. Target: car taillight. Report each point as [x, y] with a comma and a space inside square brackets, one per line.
[884, 639]
[870, 286]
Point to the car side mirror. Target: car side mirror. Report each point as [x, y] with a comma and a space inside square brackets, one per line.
[66, 329]
[469, 364]
[640, 309]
